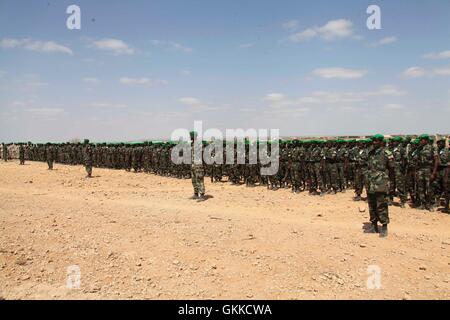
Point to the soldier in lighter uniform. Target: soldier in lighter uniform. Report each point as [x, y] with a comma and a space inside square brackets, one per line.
[88, 158]
[197, 169]
[50, 155]
[21, 154]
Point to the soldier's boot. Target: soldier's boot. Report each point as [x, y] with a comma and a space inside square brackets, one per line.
[446, 206]
[194, 197]
[402, 204]
[201, 198]
[374, 228]
[384, 231]
[390, 200]
[357, 198]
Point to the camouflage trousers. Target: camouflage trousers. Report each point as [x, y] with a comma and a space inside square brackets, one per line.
[360, 180]
[378, 207]
[50, 164]
[287, 174]
[424, 190]
[331, 176]
[22, 160]
[296, 175]
[316, 176]
[410, 183]
[251, 174]
[88, 168]
[341, 176]
[350, 174]
[399, 184]
[198, 179]
[441, 187]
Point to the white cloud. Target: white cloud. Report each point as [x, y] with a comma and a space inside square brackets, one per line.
[35, 45]
[91, 80]
[394, 106]
[189, 101]
[414, 72]
[107, 105]
[196, 105]
[171, 45]
[45, 111]
[339, 73]
[332, 30]
[438, 56]
[387, 40]
[115, 46]
[20, 103]
[245, 45]
[274, 97]
[384, 41]
[386, 90]
[185, 72]
[2, 73]
[290, 25]
[142, 81]
[344, 100]
[442, 71]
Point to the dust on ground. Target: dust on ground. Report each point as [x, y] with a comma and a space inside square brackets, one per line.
[139, 236]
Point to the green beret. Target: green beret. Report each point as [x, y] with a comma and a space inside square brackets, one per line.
[425, 137]
[377, 137]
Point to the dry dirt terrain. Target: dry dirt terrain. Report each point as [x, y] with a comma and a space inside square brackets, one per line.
[139, 236]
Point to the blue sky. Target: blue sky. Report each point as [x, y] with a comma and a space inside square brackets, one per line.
[140, 69]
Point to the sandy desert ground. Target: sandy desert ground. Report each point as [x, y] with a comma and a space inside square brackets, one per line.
[139, 236]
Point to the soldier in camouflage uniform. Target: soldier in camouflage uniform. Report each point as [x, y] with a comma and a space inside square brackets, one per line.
[441, 184]
[380, 162]
[411, 168]
[342, 164]
[317, 166]
[197, 169]
[427, 165]
[361, 157]
[50, 155]
[88, 158]
[398, 181]
[21, 154]
[5, 152]
[296, 167]
[331, 167]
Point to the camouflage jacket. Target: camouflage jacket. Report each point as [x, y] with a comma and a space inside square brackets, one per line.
[425, 156]
[379, 161]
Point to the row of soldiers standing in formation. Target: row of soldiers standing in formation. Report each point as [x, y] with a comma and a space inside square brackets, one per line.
[420, 171]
